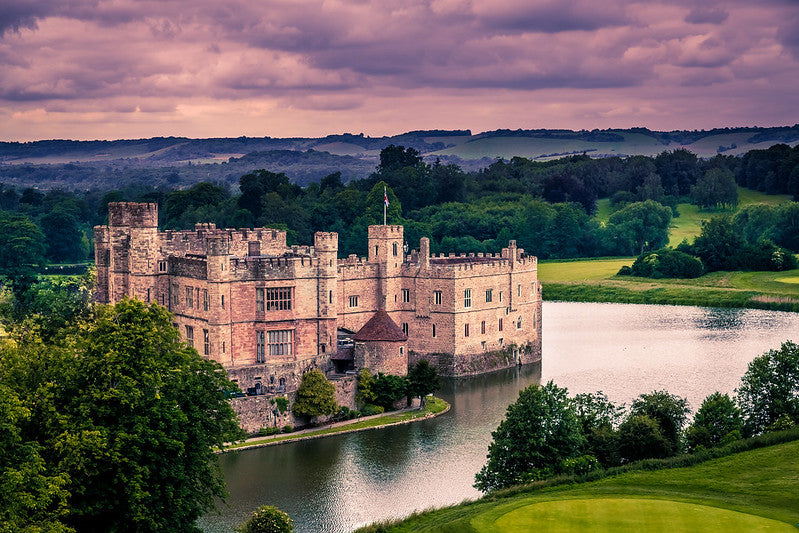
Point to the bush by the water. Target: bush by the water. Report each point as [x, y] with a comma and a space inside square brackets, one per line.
[267, 519]
[667, 263]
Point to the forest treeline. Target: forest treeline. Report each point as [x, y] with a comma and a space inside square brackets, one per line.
[547, 207]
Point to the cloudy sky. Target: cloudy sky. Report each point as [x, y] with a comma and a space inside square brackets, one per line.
[107, 69]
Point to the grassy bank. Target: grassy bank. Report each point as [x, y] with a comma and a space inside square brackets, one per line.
[434, 406]
[594, 280]
[751, 490]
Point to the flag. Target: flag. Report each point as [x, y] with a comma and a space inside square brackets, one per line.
[385, 196]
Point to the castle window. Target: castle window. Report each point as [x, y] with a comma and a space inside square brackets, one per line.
[223, 301]
[260, 347]
[406, 295]
[259, 299]
[353, 301]
[483, 345]
[402, 350]
[190, 335]
[500, 324]
[500, 296]
[489, 295]
[148, 295]
[518, 290]
[483, 327]
[278, 299]
[206, 302]
[206, 342]
[175, 296]
[437, 297]
[394, 249]
[405, 328]
[467, 298]
[280, 342]
[189, 297]
[161, 266]
[466, 330]
[434, 330]
[330, 297]
[223, 346]
[519, 322]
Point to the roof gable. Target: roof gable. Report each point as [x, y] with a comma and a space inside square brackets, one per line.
[380, 328]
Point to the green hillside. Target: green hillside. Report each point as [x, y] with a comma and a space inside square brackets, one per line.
[749, 491]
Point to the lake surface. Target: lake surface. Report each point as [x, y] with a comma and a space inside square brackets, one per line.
[336, 484]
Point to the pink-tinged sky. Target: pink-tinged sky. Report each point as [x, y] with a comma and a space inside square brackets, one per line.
[108, 69]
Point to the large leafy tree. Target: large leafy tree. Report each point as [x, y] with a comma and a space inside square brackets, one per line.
[22, 249]
[129, 415]
[668, 410]
[422, 380]
[717, 420]
[639, 226]
[719, 245]
[539, 432]
[316, 396]
[769, 389]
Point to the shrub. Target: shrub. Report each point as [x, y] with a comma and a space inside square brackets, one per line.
[371, 409]
[315, 396]
[389, 389]
[281, 403]
[267, 519]
[667, 263]
[265, 432]
[625, 271]
[288, 428]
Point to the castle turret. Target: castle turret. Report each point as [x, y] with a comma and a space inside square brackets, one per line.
[128, 257]
[326, 251]
[385, 248]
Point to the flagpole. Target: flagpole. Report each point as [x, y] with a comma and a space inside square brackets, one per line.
[385, 204]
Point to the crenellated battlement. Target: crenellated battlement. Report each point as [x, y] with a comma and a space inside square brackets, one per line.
[245, 298]
[133, 215]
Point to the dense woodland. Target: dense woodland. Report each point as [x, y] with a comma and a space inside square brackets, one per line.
[546, 206]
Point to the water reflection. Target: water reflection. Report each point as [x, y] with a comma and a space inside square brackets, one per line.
[338, 483]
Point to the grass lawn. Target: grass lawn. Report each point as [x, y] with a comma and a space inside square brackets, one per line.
[581, 270]
[750, 491]
[433, 407]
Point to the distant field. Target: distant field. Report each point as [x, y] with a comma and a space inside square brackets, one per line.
[748, 491]
[582, 270]
[689, 224]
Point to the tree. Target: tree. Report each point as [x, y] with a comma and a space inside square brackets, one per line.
[365, 395]
[668, 410]
[422, 380]
[22, 249]
[640, 225]
[130, 416]
[715, 188]
[640, 437]
[31, 498]
[599, 418]
[65, 240]
[539, 432]
[718, 419]
[667, 263]
[769, 389]
[267, 519]
[316, 396]
[719, 245]
[389, 389]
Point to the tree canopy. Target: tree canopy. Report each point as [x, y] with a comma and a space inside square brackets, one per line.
[316, 396]
[127, 416]
[539, 432]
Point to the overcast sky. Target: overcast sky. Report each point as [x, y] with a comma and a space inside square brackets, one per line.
[107, 69]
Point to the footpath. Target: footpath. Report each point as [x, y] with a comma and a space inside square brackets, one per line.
[392, 418]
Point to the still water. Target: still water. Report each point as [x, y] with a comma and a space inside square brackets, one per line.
[336, 484]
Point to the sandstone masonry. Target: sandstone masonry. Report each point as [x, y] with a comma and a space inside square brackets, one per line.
[269, 312]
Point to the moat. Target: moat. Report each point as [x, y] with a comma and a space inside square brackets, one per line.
[338, 483]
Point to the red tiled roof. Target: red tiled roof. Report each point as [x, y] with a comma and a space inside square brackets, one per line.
[380, 328]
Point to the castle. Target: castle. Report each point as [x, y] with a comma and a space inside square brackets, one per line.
[269, 312]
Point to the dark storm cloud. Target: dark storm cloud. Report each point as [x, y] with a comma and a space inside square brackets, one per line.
[707, 15]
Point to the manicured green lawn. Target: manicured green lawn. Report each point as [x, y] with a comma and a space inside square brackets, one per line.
[749, 491]
[581, 270]
[632, 515]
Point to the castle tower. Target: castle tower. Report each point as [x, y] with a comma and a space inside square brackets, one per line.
[127, 255]
[326, 250]
[385, 249]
